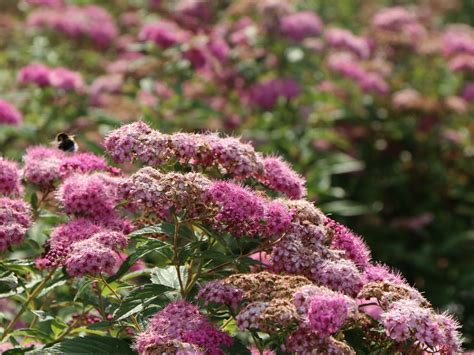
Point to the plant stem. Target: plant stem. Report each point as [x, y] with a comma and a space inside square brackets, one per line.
[175, 255]
[33, 295]
[117, 296]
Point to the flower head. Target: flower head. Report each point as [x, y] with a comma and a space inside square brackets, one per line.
[15, 218]
[328, 313]
[9, 114]
[300, 25]
[42, 165]
[279, 176]
[9, 178]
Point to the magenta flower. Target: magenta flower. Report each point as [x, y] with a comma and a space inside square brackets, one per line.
[353, 246]
[266, 93]
[328, 313]
[88, 195]
[218, 292]
[89, 21]
[163, 33]
[457, 41]
[279, 176]
[35, 73]
[338, 275]
[9, 115]
[406, 319]
[240, 210]
[84, 163]
[468, 92]
[340, 38]
[42, 165]
[15, 219]
[179, 323]
[10, 175]
[301, 25]
[65, 79]
[92, 258]
[380, 272]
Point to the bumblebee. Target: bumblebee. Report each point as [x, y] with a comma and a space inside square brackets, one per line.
[66, 142]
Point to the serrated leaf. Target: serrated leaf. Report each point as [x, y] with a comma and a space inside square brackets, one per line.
[8, 284]
[139, 299]
[92, 344]
[168, 276]
[162, 228]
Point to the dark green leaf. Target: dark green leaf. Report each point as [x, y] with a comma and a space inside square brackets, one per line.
[138, 300]
[92, 344]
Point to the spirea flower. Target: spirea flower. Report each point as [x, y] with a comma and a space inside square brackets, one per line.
[406, 319]
[328, 313]
[163, 33]
[83, 163]
[89, 21]
[35, 73]
[138, 141]
[393, 18]
[338, 275]
[88, 195]
[305, 211]
[300, 25]
[277, 219]
[217, 292]
[457, 41]
[9, 115]
[182, 322]
[42, 165]
[340, 38]
[15, 219]
[154, 191]
[279, 176]
[10, 183]
[65, 79]
[380, 272]
[239, 210]
[305, 341]
[353, 246]
[92, 258]
[106, 230]
[265, 94]
[124, 143]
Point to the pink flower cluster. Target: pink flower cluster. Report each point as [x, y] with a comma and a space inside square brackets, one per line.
[138, 141]
[181, 323]
[327, 314]
[41, 165]
[89, 195]
[15, 219]
[10, 176]
[85, 247]
[342, 39]
[300, 25]
[399, 20]
[241, 211]
[407, 319]
[267, 93]
[45, 166]
[9, 115]
[348, 66]
[217, 292]
[159, 193]
[163, 33]
[279, 176]
[353, 246]
[89, 21]
[59, 77]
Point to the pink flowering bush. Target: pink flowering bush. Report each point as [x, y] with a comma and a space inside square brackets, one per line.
[163, 256]
[208, 132]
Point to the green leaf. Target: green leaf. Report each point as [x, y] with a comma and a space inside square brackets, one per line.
[8, 284]
[168, 276]
[92, 344]
[34, 201]
[152, 245]
[237, 347]
[162, 228]
[139, 299]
